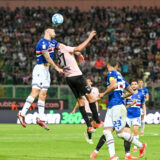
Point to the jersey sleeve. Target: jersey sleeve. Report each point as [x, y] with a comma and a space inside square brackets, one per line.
[55, 42]
[66, 48]
[146, 91]
[112, 76]
[69, 49]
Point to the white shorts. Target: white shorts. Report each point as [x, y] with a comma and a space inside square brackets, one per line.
[134, 121]
[116, 117]
[41, 77]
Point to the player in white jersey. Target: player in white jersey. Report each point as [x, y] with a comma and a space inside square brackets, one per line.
[76, 81]
[143, 112]
[95, 93]
[41, 76]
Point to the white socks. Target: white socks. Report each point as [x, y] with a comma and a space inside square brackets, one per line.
[142, 126]
[130, 138]
[136, 137]
[110, 142]
[41, 105]
[26, 106]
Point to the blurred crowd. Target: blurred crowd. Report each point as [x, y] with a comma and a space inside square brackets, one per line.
[132, 35]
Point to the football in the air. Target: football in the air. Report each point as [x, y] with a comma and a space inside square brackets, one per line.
[57, 18]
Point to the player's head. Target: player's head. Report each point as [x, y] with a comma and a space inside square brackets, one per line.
[50, 32]
[134, 85]
[112, 64]
[140, 83]
[89, 82]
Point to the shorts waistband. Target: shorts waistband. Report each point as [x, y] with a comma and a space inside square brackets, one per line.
[45, 64]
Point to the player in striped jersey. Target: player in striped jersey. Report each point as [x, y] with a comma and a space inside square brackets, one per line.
[41, 76]
[134, 111]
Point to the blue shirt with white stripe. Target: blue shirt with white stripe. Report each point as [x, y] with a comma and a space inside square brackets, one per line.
[115, 97]
[134, 111]
[45, 45]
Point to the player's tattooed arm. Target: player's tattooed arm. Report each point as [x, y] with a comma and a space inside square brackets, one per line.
[128, 93]
[50, 61]
[113, 85]
[75, 108]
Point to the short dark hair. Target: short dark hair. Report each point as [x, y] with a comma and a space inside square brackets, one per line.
[112, 62]
[134, 80]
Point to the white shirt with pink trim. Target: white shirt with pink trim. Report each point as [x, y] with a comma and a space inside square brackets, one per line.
[67, 61]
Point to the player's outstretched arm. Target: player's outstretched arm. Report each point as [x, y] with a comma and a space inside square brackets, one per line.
[50, 61]
[85, 43]
[128, 93]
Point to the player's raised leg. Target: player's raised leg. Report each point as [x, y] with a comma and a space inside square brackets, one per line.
[30, 99]
[84, 114]
[127, 145]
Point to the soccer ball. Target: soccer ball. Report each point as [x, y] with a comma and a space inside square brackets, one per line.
[57, 18]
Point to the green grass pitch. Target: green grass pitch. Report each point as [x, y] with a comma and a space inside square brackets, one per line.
[64, 142]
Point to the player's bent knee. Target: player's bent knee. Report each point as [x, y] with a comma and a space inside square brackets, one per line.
[34, 93]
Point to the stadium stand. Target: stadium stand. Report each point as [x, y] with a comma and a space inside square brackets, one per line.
[131, 35]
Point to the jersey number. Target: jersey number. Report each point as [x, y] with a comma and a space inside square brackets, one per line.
[61, 59]
[117, 123]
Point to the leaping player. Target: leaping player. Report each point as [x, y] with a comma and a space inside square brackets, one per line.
[76, 81]
[41, 76]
